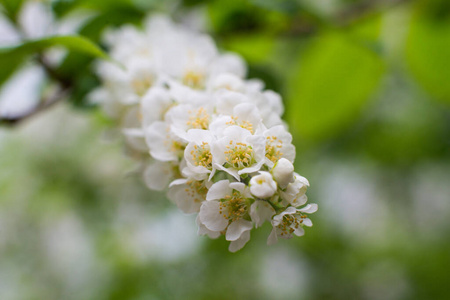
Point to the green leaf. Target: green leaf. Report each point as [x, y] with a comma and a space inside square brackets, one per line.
[12, 58]
[255, 48]
[331, 83]
[12, 8]
[75, 63]
[71, 43]
[63, 7]
[428, 55]
[9, 66]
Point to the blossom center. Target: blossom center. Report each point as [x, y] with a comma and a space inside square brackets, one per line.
[273, 148]
[243, 124]
[199, 119]
[201, 155]
[194, 79]
[196, 190]
[142, 84]
[290, 223]
[234, 206]
[239, 155]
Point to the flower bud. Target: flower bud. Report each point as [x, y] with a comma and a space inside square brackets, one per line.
[263, 185]
[283, 172]
[295, 191]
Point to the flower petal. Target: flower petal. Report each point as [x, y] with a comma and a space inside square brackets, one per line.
[272, 239]
[202, 230]
[237, 228]
[209, 215]
[307, 222]
[309, 209]
[299, 231]
[219, 190]
[157, 175]
[239, 243]
[261, 211]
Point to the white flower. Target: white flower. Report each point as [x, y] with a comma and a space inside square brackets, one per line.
[270, 107]
[245, 115]
[263, 186]
[185, 95]
[163, 144]
[155, 104]
[283, 172]
[202, 230]
[213, 134]
[188, 194]
[185, 117]
[227, 81]
[132, 129]
[290, 221]
[295, 193]
[190, 57]
[239, 243]
[227, 100]
[230, 63]
[131, 82]
[198, 153]
[278, 145]
[157, 175]
[226, 209]
[238, 152]
[261, 211]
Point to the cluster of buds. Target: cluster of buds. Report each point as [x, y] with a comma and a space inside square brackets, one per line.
[213, 139]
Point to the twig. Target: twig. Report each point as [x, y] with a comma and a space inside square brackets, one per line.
[360, 10]
[348, 16]
[44, 105]
[53, 74]
[65, 87]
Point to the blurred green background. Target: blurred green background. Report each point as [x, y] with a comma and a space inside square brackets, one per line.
[367, 96]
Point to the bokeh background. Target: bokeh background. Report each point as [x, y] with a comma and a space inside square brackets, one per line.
[366, 86]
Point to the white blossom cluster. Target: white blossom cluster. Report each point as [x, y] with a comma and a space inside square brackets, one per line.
[215, 139]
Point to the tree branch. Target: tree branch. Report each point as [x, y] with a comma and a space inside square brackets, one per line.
[45, 103]
[360, 10]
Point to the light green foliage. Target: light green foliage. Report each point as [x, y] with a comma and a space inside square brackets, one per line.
[255, 48]
[428, 53]
[333, 81]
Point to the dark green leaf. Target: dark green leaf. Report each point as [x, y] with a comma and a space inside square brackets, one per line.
[12, 8]
[11, 58]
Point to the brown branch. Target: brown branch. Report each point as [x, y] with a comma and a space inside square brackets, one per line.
[52, 73]
[65, 86]
[365, 8]
[45, 103]
[351, 14]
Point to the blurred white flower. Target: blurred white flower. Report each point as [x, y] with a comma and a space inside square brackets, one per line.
[188, 193]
